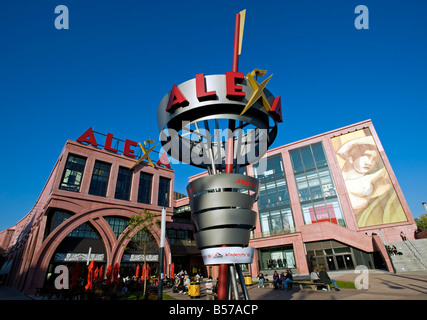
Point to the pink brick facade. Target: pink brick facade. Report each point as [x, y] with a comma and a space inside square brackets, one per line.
[31, 252]
[366, 239]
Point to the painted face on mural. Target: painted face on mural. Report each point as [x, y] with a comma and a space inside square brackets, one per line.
[371, 193]
[364, 161]
[361, 156]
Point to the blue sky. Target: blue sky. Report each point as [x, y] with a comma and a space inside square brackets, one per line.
[118, 59]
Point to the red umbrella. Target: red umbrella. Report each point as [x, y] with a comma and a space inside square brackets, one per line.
[116, 273]
[148, 271]
[172, 270]
[92, 266]
[101, 274]
[109, 271]
[95, 277]
[137, 271]
[75, 275]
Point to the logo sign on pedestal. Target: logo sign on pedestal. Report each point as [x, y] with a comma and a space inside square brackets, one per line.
[227, 255]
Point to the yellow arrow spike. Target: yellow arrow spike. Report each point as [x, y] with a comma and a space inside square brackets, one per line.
[148, 141]
[258, 72]
[242, 25]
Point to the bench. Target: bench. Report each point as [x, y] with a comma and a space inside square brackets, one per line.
[313, 285]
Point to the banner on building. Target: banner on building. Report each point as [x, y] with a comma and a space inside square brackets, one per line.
[227, 255]
[78, 257]
[371, 192]
[140, 258]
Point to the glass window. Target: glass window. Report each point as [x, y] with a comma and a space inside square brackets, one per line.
[171, 233]
[163, 197]
[282, 192]
[262, 200]
[273, 202]
[307, 158]
[272, 169]
[144, 189]
[276, 223]
[100, 175]
[296, 161]
[342, 250]
[73, 173]
[179, 234]
[316, 189]
[277, 257]
[58, 218]
[265, 225]
[124, 181]
[85, 230]
[54, 219]
[319, 155]
[117, 224]
[288, 221]
[277, 165]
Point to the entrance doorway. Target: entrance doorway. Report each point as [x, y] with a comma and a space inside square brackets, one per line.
[332, 255]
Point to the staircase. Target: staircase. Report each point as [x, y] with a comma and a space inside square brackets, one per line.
[414, 255]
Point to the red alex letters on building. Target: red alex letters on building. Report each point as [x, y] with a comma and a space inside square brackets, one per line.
[89, 137]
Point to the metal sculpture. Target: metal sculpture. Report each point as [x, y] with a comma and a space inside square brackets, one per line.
[222, 123]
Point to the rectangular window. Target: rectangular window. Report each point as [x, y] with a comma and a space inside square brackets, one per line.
[273, 168]
[163, 198]
[124, 181]
[316, 189]
[100, 175]
[144, 190]
[73, 173]
[277, 257]
[273, 202]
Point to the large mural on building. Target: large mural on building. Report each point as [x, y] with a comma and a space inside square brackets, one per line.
[372, 194]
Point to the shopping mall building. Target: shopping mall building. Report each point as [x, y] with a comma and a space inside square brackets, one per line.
[330, 200]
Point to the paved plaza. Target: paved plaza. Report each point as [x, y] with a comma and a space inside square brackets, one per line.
[382, 286]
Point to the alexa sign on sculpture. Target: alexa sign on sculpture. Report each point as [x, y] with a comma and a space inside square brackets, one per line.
[221, 123]
[193, 119]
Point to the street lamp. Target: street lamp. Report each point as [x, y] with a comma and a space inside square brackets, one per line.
[162, 253]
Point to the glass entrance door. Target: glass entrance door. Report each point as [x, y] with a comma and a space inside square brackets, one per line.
[340, 262]
[348, 261]
[344, 262]
[331, 263]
